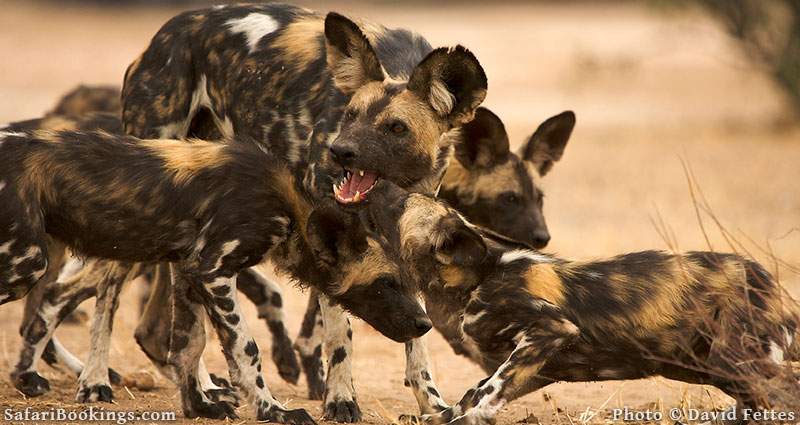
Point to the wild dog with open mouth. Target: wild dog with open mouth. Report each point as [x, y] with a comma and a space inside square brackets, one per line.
[212, 210]
[314, 90]
[531, 319]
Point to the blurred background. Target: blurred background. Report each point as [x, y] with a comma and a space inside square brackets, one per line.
[658, 87]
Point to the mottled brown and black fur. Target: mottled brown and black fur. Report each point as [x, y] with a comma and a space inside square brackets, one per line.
[530, 319]
[211, 209]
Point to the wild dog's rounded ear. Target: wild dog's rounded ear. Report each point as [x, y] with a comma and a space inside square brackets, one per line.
[351, 59]
[326, 231]
[483, 142]
[452, 81]
[460, 245]
[547, 143]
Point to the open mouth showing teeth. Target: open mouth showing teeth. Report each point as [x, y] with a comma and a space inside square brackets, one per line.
[354, 186]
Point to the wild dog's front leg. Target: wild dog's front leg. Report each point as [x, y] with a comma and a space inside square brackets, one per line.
[514, 378]
[93, 384]
[241, 350]
[420, 378]
[267, 297]
[309, 345]
[340, 402]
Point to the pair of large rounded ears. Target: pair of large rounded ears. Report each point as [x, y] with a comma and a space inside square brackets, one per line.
[546, 145]
[451, 80]
[459, 244]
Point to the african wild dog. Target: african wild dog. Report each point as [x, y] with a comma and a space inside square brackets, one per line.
[263, 293]
[283, 76]
[211, 210]
[531, 319]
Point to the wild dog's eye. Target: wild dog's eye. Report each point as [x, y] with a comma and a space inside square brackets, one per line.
[350, 115]
[509, 198]
[398, 128]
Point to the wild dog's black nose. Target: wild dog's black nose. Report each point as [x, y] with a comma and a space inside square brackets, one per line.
[540, 238]
[423, 325]
[343, 153]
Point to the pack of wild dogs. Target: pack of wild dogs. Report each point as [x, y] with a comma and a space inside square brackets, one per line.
[357, 160]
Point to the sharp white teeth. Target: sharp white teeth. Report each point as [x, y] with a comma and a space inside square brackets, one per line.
[361, 173]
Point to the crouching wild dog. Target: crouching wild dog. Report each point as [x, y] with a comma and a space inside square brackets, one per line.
[530, 319]
[211, 209]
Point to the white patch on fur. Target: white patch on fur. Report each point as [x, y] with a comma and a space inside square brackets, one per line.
[2, 184]
[227, 248]
[254, 26]
[4, 297]
[775, 353]
[4, 134]
[527, 254]
[205, 378]
[72, 267]
[440, 98]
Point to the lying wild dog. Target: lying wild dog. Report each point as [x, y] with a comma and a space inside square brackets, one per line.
[211, 210]
[330, 99]
[531, 319]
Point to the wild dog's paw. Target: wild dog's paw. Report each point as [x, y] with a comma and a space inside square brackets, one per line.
[346, 411]
[266, 412]
[285, 360]
[114, 377]
[31, 384]
[94, 393]
[211, 410]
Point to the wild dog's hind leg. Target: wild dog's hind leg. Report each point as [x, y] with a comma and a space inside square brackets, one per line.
[267, 297]
[93, 384]
[340, 402]
[75, 283]
[420, 378]
[171, 332]
[309, 345]
[513, 379]
[27, 254]
[45, 307]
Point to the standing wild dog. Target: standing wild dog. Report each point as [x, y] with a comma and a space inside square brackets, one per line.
[212, 210]
[530, 319]
[282, 77]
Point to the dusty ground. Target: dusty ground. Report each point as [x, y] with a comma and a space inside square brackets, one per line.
[649, 87]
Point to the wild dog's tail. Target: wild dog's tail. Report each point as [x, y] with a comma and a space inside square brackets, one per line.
[765, 290]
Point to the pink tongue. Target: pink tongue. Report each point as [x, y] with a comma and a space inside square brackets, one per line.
[359, 183]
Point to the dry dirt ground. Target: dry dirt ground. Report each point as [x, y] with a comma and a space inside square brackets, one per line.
[650, 87]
